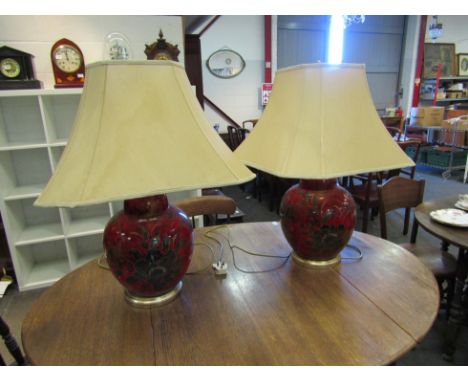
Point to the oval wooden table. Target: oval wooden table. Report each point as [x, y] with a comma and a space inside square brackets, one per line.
[457, 236]
[266, 311]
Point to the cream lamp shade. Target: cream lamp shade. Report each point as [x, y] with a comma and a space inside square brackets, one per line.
[139, 131]
[321, 123]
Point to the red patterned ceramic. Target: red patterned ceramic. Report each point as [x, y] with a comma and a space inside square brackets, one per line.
[318, 218]
[149, 245]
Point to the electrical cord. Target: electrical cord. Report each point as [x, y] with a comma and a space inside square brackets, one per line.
[233, 254]
[355, 249]
[103, 263]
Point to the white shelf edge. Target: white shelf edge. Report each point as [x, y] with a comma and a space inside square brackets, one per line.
[24, 192]
[23, 146]
[58, 143]
[39, 92]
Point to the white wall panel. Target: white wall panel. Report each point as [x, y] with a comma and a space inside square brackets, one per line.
[377, 43]
[302, 39]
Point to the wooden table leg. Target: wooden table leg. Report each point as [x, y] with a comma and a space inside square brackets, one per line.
[457, 311]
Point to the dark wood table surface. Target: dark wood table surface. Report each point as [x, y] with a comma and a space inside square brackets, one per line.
[453, 235]
[457, 236]
[267, 311]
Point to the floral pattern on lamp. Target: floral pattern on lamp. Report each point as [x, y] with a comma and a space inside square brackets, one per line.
[318, 219]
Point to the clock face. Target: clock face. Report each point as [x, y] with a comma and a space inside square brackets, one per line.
[10, 68]
[162, 56]
[67, 58]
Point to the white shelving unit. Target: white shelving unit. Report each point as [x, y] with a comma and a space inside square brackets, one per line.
[45, 243]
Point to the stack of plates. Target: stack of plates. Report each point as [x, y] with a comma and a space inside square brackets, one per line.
[462, 203]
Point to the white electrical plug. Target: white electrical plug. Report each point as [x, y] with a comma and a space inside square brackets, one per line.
[220, 268]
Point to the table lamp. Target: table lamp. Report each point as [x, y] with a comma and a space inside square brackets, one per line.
[320, 124]
[140, 133]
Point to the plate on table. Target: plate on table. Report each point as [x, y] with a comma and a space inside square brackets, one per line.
[451, 216]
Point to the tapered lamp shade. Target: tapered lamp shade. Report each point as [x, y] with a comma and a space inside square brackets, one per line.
[320, 124]
[139, 131]
[138, 134]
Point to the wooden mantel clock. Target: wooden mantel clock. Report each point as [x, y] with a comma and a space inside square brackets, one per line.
[162, 50]
[68, 64]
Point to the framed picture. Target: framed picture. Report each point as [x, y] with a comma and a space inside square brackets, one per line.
[443, 54]
[462, 60]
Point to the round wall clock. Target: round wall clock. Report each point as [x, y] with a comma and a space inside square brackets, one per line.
[68, 64]
[225, 63]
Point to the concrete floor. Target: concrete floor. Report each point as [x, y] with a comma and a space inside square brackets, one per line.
[15, 305]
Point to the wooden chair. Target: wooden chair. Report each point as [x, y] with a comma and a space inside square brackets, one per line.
[394, 132]
[365, 195]
[251, 122]
[236, 136]
[11, 345]
[208, 206]
[415, 146]
[399, 192]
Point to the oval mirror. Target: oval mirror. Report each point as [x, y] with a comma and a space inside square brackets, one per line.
[225, 63]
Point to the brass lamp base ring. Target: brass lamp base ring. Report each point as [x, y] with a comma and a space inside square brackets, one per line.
[315, 263]
[140, 301]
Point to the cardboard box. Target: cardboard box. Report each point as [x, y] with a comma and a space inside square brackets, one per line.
[459, 123]
[427, 116]
[457, 130]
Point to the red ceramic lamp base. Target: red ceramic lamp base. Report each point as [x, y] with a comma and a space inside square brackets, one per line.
[149, 246]
[318, 218]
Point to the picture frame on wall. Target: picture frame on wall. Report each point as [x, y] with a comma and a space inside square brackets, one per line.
[443, 54]
[462, 61]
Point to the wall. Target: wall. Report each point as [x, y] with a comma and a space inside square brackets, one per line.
[238, 97]
[37, 34]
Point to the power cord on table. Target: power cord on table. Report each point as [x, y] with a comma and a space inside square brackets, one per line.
[354, 248]
[220, 267]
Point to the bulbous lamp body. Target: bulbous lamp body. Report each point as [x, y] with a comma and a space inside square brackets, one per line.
[318, 218]
[149, 246]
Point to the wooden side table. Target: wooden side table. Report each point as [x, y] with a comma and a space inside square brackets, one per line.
[267, 311]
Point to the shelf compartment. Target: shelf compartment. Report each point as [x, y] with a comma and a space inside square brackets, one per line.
[20, 121]
[24, 172]
[41, 264]
[32, 224]
[116, 207]
[56, 153]
[88, 220]
[85, 249]
[59, 114]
